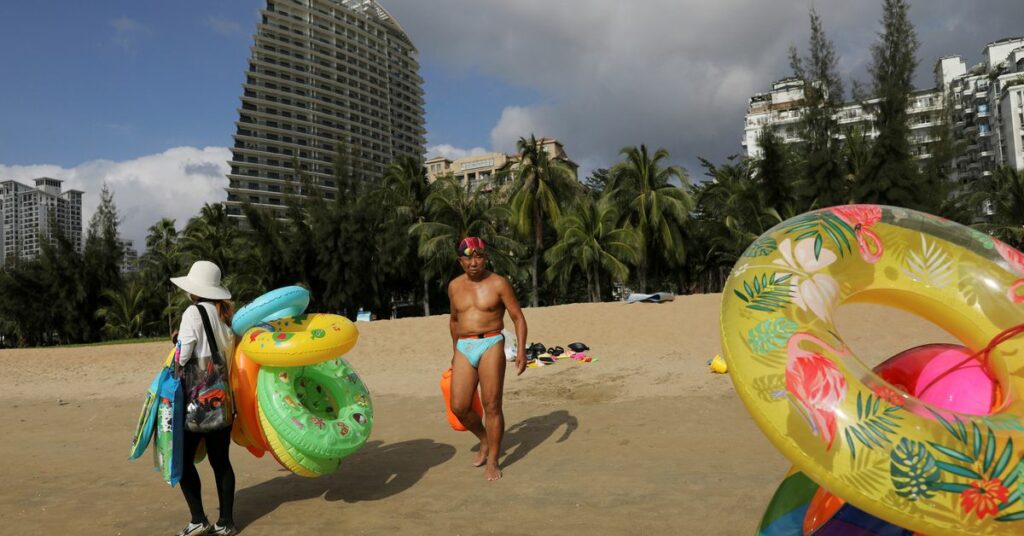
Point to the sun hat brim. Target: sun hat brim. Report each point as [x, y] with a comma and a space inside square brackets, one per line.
[203, 291]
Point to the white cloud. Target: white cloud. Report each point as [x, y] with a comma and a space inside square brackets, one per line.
[223, 26]
[172, 184]
[451, 152]
[669, 73]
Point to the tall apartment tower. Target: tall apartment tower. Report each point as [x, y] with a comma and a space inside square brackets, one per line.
[326, 78]
[28, 214]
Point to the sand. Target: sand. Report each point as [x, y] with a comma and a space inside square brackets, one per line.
[643, 441]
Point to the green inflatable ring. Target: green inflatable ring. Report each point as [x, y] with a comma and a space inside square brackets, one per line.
[322, 410]
[292, 459]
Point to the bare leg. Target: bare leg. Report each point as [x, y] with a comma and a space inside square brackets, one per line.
[492, 383]
[464, 382]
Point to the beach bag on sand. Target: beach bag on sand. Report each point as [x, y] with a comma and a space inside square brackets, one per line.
[208, 398]
[170, 431]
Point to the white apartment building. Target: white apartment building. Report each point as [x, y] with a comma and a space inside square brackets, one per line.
[782, 109]
[28, 215]
[486, 171]
[325, 77]
[986, 109]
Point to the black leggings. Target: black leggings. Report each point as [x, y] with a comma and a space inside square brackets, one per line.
[217, 444]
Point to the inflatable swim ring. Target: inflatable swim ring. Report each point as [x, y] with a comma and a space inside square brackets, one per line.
[290, 458]
[914, 465]
[322, 410]
[948, 375]
[278, 303]
[299, 340]
[244, 375]
[446, 392]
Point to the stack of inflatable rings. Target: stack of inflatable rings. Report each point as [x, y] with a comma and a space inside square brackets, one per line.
[294, 394]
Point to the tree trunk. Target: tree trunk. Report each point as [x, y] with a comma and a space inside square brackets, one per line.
[426, 295]
[643, 277]
[597, 285]
[590, 284]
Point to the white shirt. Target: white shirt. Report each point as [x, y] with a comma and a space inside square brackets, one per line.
[192, 336]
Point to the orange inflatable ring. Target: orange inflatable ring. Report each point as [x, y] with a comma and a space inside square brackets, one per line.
[446, 390]
[247, 423]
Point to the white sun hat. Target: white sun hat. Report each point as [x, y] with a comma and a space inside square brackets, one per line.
[203, 280]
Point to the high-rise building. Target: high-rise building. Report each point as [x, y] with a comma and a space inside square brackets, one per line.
[485, 171]
[29, 215]
[987, 109]
[984, 104]
[326, 79]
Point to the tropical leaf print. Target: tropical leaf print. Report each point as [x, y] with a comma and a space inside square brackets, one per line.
[995, 484]
[931, 266]
[770, 335]
[1014, 481]
[819, 226]
[767, 293]
[762, 247]
[874, 424]
[913, 470]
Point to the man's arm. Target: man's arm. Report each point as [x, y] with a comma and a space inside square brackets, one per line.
[453, 319]
[508, 297]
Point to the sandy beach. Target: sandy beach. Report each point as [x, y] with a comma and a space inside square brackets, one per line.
[643, 441]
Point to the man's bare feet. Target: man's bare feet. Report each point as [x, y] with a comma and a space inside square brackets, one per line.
[492, 472]
[481, 457]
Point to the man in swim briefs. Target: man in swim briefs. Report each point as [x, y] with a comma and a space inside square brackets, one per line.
[479, 300]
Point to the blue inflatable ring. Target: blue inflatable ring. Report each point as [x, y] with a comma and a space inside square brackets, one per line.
[279, 303]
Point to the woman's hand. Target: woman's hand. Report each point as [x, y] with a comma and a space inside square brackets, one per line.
[174, 336]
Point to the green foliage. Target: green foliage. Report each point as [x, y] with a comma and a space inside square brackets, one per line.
[655, 206]
[590, 241]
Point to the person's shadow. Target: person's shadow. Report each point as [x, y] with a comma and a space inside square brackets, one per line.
[527, 435]
[375, 472]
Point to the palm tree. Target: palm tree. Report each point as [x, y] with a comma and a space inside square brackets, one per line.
[539, 184]
[403, 196]
[125, 314]
[211, 236]
[590, 240]
[657, 207]
[1000, 197]
[453, 214]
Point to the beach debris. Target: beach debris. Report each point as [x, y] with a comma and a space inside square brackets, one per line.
[718, 365]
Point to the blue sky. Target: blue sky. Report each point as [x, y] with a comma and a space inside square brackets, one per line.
[143, 94]
[123, 79]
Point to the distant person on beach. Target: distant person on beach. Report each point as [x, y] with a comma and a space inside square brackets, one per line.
[479, 299]
[203, 285]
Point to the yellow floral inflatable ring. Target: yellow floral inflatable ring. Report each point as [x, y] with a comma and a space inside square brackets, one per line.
[920, 467]
[300, 340]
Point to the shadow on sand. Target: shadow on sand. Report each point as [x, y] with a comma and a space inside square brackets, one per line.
[522, 437]
[376, 472]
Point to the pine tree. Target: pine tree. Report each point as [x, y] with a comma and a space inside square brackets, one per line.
[822, 177]
[892, 176]
[102, 255]
[775, 173]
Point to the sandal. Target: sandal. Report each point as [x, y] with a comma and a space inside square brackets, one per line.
[556, 351]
